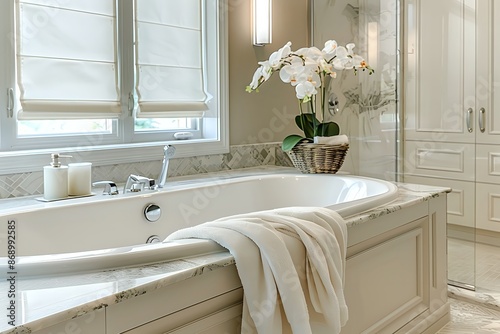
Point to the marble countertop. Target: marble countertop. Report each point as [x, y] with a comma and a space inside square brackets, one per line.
[45, 301]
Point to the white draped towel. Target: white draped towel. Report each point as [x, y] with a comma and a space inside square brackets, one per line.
[291, 263]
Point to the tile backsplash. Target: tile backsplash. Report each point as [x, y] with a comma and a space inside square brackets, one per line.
[239, 156]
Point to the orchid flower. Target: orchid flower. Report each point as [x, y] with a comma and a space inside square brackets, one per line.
[275, 60]
[311, 53]
[266, 69]
[330, 49]
[307, 82]
[289, 72]
[255, 80]
[349, 48]
[306, 70]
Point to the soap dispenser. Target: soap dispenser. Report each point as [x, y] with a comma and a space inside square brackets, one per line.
[55, 179]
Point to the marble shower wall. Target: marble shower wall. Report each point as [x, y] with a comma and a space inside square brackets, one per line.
[367, 110]
[239, 156]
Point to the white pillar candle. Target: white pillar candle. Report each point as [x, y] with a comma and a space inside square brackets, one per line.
[79, 178]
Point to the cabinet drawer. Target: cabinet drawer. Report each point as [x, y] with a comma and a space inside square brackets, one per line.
[446, 160]
[460, 202]
[488, 207]
[488, 163]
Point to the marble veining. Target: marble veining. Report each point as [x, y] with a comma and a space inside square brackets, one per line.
[46, 301]
[408, 195]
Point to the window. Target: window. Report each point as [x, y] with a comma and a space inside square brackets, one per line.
[113, 77]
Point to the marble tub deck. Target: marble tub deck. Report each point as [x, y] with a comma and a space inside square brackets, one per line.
[45, 301]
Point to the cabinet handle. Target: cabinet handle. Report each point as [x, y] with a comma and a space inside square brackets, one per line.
[482, 119]
[469, 114]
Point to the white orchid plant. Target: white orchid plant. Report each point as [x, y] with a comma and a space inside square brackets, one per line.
[308, 69]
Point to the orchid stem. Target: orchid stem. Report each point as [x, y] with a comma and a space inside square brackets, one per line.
[313, 112]
[323, 93]
[302, 118]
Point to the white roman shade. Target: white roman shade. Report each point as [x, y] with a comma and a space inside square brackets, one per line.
[169, 58]
[67, 60]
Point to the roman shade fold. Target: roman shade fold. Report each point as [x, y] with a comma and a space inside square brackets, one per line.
[170, 79]
[67, 64]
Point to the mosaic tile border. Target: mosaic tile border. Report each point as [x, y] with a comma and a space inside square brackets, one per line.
[239, 156]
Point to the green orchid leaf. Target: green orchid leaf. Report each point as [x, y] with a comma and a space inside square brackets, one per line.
[328, 129]
[306, 122]
[290, 141]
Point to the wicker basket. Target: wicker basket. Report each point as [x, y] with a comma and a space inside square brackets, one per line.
[312, 158]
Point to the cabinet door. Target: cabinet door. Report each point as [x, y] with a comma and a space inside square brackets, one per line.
[440, 70]
[488, 72]
[388, 284]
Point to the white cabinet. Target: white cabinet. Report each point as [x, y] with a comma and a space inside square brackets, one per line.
[488, 73]
[439, 72]
[440, 102]
[452, 120]
[488, 102]
[396, 272]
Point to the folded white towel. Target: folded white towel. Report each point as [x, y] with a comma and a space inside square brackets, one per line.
[290, 261]
[333, 140]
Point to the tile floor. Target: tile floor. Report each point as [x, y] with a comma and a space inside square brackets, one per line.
[474, 312]
[471, 318]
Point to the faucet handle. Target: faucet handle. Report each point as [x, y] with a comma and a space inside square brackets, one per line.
[110, 187]
[136, 183]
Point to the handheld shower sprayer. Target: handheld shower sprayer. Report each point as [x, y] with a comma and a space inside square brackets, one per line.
[168, 152]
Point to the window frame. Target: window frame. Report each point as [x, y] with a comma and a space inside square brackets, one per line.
[24, 157]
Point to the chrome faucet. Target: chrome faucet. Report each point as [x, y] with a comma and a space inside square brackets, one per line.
[168, 152]
[136, 183]
[110, 187]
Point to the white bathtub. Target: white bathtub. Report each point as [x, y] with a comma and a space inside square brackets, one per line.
[111, 231]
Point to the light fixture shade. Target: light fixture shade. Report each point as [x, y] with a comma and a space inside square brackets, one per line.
[262, 22]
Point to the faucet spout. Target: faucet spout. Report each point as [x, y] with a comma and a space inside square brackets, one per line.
[168, 152]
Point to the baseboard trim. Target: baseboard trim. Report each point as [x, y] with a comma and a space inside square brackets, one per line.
[471, 234]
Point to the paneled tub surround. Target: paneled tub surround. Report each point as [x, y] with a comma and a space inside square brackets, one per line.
[182, 292]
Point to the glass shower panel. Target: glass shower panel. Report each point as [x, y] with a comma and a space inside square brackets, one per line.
[439, 82]
[367, 105]
[440, 130]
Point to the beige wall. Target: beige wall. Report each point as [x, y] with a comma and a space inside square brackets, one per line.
[266, 116]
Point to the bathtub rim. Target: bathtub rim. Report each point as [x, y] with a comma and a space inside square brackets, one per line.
[129, 256]
[30, 204]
